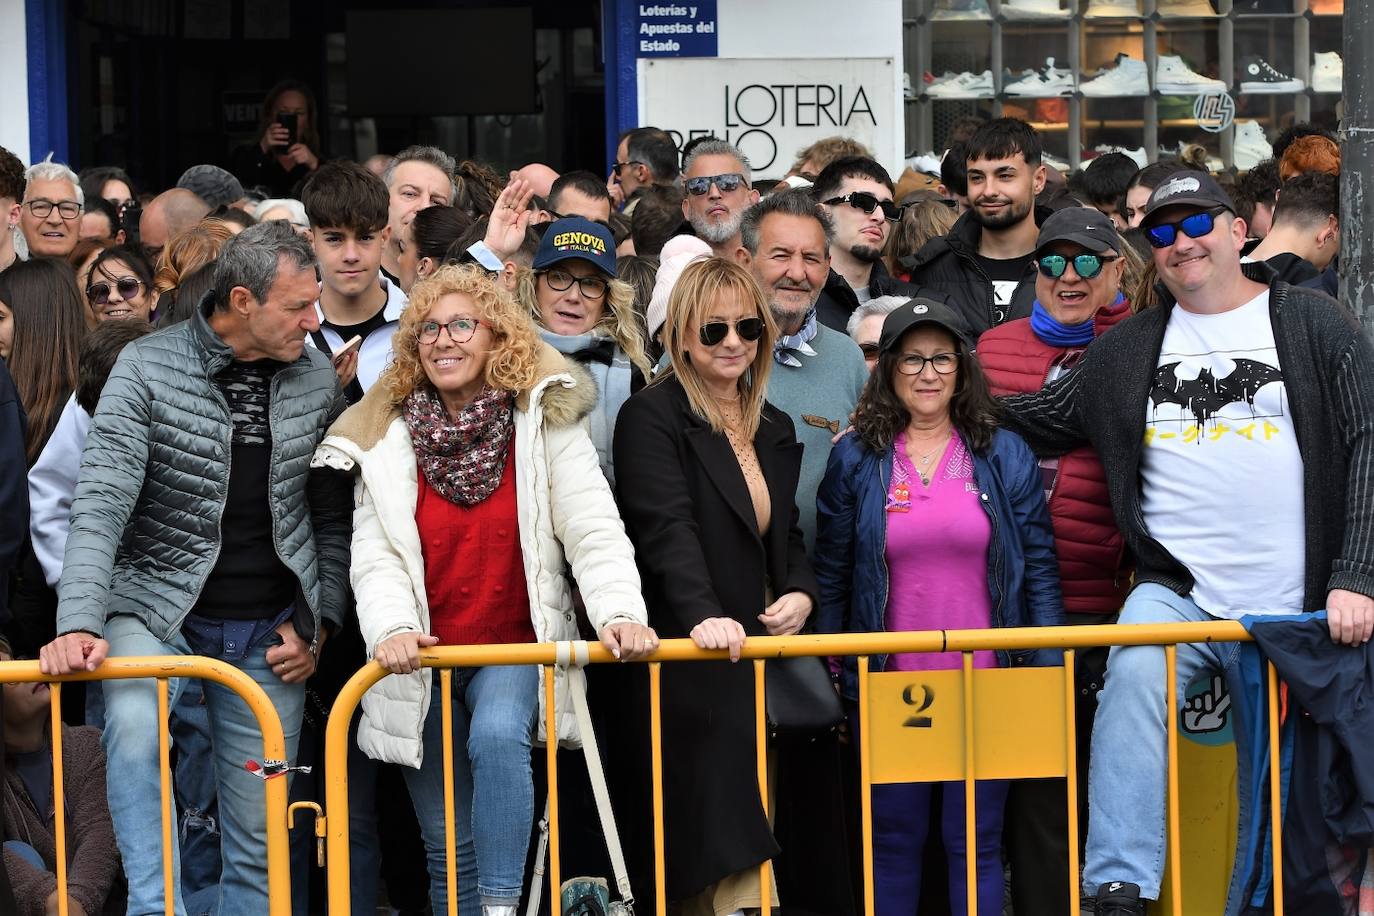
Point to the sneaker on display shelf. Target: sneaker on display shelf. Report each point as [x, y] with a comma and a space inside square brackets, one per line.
[1328, 73]
[908, 91]
[1185, 9]
[1137, 155]
[1174, 77]
[1328, 7]
[1251, 145]
[961, 10]
[1128, 78]
[1046, 83]
[1054, 162]
[962, 86]
[1119, 898]
[1112, 9]
[1033, 9]
[1257, 76]
[1262, 7]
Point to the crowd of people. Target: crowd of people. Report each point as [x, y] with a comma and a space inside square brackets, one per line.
[301, 413]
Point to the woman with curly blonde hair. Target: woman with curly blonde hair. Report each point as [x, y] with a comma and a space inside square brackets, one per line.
[477, 488]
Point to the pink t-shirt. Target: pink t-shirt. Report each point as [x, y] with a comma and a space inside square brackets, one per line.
[937, 555]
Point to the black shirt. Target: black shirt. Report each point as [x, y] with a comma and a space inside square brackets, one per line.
[348, 331]
[1005, 275]
[249, 580]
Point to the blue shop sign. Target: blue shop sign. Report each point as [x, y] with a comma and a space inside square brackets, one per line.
[676, 29]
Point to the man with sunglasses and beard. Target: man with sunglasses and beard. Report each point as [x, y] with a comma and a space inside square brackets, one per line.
[856, 194]
[984, 264]
[715, 177]
[1233, 422]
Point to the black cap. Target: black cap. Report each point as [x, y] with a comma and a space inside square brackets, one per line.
[1187, 187]
[1084, 226]
[917, 312]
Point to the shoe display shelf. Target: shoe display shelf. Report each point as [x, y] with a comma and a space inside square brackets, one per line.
[1277, 59]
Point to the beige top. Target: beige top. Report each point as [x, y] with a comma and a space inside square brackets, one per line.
[748, 462]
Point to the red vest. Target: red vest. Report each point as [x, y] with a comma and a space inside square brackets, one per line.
[474, 568]
[1092, 567]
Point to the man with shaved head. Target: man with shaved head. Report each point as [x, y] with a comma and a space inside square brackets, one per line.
[540, 177]
[170, 214]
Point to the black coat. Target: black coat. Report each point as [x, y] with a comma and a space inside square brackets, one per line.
[14, 484]
[837, 300]
[687, 510]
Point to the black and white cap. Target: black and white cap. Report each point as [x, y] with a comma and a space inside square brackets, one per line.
[1187, 187]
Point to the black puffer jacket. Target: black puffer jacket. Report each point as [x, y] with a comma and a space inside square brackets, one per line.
[838, 301]
[949, 265]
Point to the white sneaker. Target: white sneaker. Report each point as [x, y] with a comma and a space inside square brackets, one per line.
[1112, 9]
[1328, 73]
[962, 86]
[961, 10]
[1185, 9]
[1129, 77]
[1033, 9]
[1045, 83]
[1137, 155]
[1251, 145]
[1259, 77]
[1173, 77]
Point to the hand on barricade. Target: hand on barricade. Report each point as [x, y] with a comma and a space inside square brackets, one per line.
[629, 641]
[1350, 616]
[73, 652]
[787, 615]
[292, 660]
[510, 217]
[400, 654]
[719, 633]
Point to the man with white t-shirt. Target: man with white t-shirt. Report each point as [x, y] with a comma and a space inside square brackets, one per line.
[1232, 424]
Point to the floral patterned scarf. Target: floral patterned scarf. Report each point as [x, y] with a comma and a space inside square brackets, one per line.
[462, 459]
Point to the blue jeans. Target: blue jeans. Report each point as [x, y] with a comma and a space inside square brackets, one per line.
[131, 749]
[1128, 773]
[494, 711]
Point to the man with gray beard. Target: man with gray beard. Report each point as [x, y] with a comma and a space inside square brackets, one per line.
[715, 179]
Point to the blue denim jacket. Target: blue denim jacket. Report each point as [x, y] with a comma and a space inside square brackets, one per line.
[851, 541]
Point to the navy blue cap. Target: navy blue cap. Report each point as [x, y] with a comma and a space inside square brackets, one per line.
[577, 237]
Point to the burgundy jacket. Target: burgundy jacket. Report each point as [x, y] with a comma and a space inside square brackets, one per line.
[1093, 570]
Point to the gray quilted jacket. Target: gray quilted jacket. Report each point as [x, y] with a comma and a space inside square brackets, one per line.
[145, 521]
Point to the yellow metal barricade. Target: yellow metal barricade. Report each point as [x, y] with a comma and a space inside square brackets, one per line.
[164, 668]
[960, 725]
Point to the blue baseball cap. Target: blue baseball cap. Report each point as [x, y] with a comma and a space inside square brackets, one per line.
[577, 237]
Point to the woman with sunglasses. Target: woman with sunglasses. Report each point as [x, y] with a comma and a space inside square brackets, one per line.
[708, 485]
[1080, 260]
[478, 491]
[929, 517]
[119, 285]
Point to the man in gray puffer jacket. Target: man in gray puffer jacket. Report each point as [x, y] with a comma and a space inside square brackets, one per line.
[199, 528]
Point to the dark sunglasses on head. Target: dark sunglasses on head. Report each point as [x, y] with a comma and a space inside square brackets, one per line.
[862, 200]
[713, 332]
[727, 183]
[1086, 266]
[1162, 235]
[128, 287]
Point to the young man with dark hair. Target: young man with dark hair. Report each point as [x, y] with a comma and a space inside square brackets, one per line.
[984, 264]
[1306, 234]
[418, 177]
[11, 193]
[657, 218]
[580, 194]
[645, 156]
[1260, 187]
[856, 195]
[1104, 182]
[348, 210]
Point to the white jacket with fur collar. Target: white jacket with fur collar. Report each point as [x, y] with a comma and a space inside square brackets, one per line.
[566, 513]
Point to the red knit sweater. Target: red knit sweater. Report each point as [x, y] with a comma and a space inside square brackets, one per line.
[474, 568]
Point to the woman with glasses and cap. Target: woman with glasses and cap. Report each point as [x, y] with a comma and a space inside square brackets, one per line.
[707, 476]
[1080, 262]
[478, 490]
[930, 517]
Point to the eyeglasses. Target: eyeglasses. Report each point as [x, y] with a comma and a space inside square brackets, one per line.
[915, 364]
[727, 183]
[862, 200]
[616, 167]
[1086, 266]
[128, 287]
[1195, 226]
[460, 330]
[561, 281]
[67, 209]
[713, 332]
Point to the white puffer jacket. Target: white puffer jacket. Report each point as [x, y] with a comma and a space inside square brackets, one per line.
[566, 513]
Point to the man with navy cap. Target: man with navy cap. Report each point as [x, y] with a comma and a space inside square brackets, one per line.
[1232, 423]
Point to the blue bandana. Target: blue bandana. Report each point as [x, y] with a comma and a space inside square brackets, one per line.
[787, 346]
[1055, 334]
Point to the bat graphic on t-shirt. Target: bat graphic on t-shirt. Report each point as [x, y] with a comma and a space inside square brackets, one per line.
[1207, 394]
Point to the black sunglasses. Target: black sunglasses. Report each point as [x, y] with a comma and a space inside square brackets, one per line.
[1195, 226]
[713, 332]
[727, 183]
[1086, 266]
[862, 200]
[617, 166]
[128, 287]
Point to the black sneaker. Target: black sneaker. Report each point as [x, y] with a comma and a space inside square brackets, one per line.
[1120, 898]
[1258, 76]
